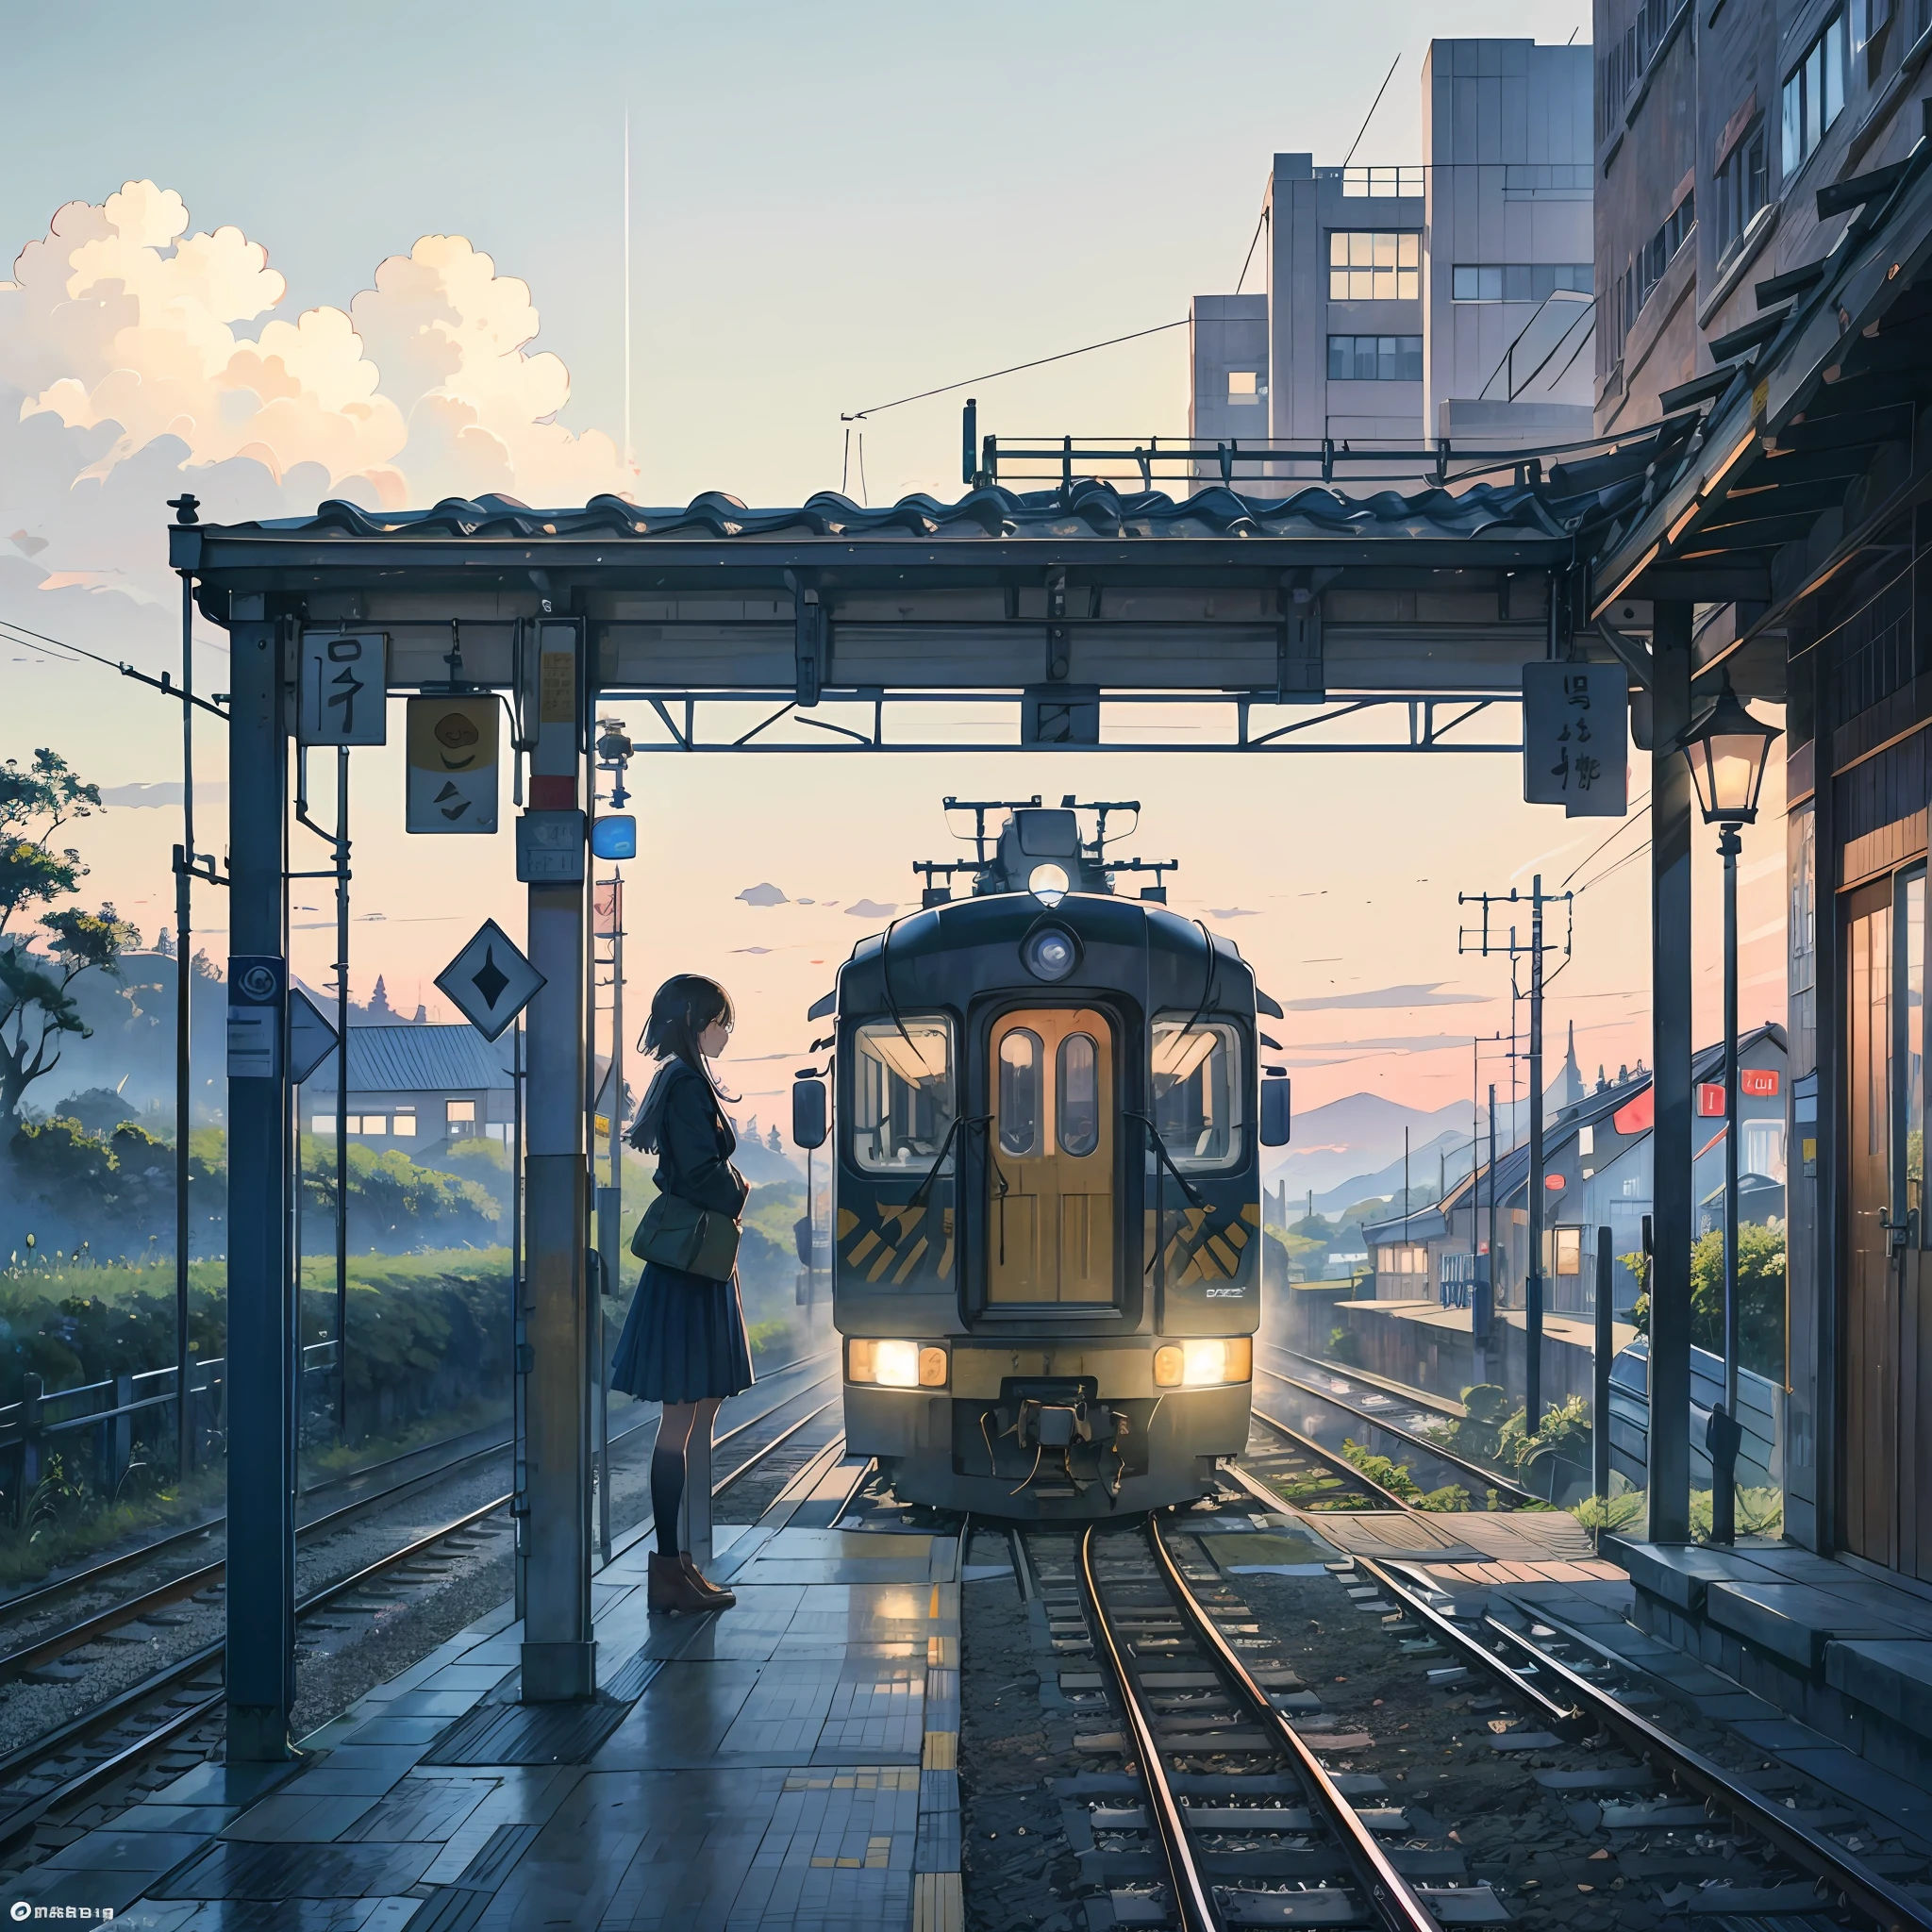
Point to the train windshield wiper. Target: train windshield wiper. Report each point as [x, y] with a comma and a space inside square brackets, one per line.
[1159, 1145]
[932, 1173]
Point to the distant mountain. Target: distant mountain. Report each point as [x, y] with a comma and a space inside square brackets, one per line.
[1359, 1135]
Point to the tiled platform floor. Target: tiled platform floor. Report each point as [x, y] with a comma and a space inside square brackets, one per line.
[790, 1763]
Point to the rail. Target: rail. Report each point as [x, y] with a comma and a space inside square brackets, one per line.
[62, 1740]
[1512, 1492]
[1590, 1707]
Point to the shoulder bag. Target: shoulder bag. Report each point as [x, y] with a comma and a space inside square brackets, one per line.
[676, 1233]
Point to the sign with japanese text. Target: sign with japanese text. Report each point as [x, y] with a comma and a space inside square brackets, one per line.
[344, 685]
[453, 775]
[1575, 738]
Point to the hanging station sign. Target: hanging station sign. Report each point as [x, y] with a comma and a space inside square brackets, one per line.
[344, 686]
[1575, 738]
[453, 750]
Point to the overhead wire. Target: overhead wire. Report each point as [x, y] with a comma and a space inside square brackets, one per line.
[1372, 106]
[1037, 363]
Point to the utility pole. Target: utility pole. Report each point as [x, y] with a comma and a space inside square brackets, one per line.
[1483, 1320]
[1481, 942]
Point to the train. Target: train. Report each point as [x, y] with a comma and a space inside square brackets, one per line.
[1047, 1102]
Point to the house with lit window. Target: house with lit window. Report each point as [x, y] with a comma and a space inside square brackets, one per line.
[1412, 1317]
[1448, 298]
[415, 1088]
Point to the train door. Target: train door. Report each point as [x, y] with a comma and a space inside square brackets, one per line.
[1050, 1176]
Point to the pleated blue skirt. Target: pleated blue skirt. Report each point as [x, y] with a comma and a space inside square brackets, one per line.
[683, 1339]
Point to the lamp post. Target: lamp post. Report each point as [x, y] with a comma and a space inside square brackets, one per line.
[1727, 750]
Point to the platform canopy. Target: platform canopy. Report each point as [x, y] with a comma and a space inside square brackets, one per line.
[1052, 604]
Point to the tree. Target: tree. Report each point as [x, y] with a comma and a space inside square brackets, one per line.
[37, 1008]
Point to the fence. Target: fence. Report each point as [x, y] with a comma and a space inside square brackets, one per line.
[99, 1431]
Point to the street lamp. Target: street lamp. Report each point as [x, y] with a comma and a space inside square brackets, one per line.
[1727, 750]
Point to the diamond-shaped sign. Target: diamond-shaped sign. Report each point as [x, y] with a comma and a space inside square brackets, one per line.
[489, 980]
[312, 1038]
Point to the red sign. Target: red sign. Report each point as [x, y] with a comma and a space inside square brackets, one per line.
[1554, 1182]
[1759, 1082]
[1710, 1099]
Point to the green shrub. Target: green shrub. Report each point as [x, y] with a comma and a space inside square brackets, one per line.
[1344, 1345]
[1395, 1477]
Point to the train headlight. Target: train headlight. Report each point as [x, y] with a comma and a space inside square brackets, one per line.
[1050, 953]
[1204, 1362]
[897, 1364]
[1048, 883]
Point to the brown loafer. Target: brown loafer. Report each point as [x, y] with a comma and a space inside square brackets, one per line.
[672, 1592]
[719, 1598]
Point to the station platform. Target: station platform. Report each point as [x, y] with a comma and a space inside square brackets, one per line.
[791, 1762]
[1842, 1646]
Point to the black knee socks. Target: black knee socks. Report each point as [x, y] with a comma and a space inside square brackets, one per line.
[667, 1493]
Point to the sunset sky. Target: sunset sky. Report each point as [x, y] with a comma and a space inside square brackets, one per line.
[359, 255]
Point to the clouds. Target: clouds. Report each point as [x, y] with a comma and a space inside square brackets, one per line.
[1403, 996]
[763, 894]
[137, 356]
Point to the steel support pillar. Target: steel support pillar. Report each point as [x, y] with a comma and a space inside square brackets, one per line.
[560, 1658]
[261, 1341]
[1670, 1059]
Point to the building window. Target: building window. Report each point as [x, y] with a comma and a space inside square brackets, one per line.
[1519, 281]
[1374, 265]
[1870, 18]
[460, 1117]
[1408, 1258]
[1743, 186]
[1814, 95]
[404, 1125]
[367, 1123]
[1245, 387]
[1374, 358]
[322, 1124]
[1627, 60]
[1381, 181]
[1652, 259]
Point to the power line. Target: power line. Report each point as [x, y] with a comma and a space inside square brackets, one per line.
[1371, 115]
[1623, 827]
[1038, 362]
[1261, 222]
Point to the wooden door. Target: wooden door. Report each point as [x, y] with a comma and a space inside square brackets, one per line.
[1050, 1205]
[1914, 1277]
[1869, 1338]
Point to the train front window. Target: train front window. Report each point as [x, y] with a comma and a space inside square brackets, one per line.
[903, 1094]
[1079, 1095]
[1021, 1081]
[1197, 1093]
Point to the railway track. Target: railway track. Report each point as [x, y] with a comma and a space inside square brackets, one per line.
[1224, 1804]
[56, 1644]
[1479, 1473]
[25, 1604]
[1656, 1804]
[100, 1745]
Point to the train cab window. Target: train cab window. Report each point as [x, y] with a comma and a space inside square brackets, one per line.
[1022, 1079]
[903, 1094]
[1197, 1093]
[1078, 1085]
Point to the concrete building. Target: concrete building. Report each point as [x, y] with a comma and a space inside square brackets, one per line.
[1409, 303]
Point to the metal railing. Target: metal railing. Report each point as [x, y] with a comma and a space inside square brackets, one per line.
[96, 1432]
